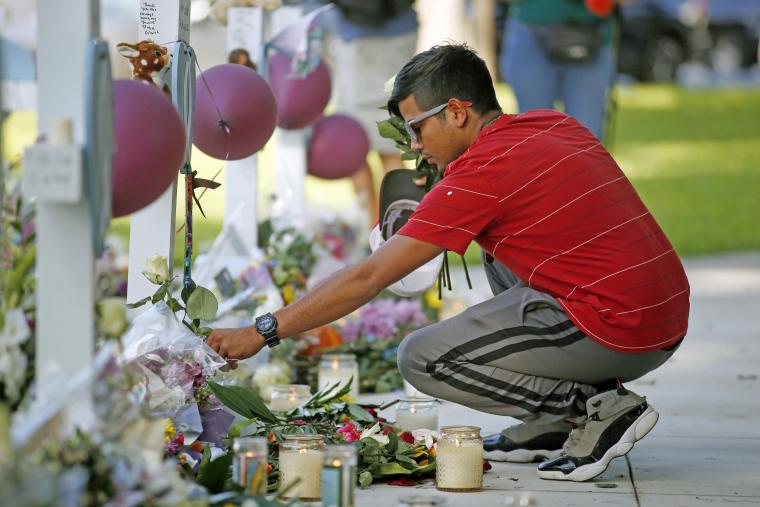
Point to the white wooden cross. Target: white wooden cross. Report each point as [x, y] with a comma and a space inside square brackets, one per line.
[245, 30]
[152, 229]
[54, 172]
[291, 146]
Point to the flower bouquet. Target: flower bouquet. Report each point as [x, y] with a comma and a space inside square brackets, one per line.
[384, 452]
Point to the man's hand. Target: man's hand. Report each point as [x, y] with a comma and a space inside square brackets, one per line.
[236, 343]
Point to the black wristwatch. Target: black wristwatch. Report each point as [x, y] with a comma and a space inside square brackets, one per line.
[266, 326]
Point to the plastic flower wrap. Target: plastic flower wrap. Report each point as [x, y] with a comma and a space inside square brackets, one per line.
[174, 361]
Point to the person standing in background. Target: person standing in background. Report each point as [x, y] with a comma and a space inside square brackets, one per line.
[561, 50]
[368, 41]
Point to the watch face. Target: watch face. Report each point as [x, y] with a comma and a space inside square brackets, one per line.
[265, 323]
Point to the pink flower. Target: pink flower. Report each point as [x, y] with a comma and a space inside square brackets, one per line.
[372, 412]
[350, 432]
[298, 422]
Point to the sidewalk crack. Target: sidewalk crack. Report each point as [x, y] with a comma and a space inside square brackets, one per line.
[633, 481]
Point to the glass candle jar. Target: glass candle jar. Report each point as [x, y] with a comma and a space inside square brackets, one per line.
[339, 368]
[289, 396]
[301, 458]
[417, 413]
[339, 476]
[459, 459]
[249, 464]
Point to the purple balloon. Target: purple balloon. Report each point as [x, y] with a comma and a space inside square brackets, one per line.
[300, 102]
[338, 147]
[150, 145]
[247, 107]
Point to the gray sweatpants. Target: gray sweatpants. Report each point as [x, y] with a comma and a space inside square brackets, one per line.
[516, 354]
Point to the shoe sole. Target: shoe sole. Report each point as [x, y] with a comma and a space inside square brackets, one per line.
[633, 434]
[521, 455]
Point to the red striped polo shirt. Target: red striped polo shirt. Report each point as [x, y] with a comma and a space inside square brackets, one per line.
[540, 194]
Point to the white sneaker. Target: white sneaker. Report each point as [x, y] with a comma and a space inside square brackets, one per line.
[616, 420]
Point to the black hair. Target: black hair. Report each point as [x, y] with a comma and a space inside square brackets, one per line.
[443, 72]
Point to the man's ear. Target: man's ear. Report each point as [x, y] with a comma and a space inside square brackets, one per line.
[459, 111]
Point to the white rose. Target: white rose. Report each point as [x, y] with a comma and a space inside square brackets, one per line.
[157, 269]
[388, 87]
[112, 316]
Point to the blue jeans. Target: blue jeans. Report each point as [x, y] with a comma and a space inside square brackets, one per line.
[538, 82]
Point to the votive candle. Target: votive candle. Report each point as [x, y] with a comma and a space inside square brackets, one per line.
[301, 458]
[417, 413]
[340, 368]
[289, 396]
[249, 464]
[339, 476]
[459, 459]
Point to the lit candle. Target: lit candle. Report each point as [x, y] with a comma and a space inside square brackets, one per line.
[459, 459]
[339, 476]
[339, 368]
[301, 459]
[289, 396]
[417, 413]
[249, 466]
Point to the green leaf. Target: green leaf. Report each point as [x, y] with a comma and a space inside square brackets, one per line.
[237, 428]
[392, 469]
[186, 291]
[161, 292]
[202, 304]
[393, 440]
[205, 331]
[425, 469]
[138, 304]
[174, 305]
[365, 479]
[213, 474]
[390, 131]
[359, 413]
[409, 155]
[406, 460]
[243, 401]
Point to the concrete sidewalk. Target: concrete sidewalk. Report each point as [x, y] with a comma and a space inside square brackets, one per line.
[705, 448]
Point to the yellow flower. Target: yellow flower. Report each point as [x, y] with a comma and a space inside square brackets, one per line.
[431, 297]
[347, 398]
[169, 432]
[288, 294]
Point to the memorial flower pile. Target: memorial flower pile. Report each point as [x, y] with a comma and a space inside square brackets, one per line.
[385, 453]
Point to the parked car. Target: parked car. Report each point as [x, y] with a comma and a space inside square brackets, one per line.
[654, 40]
[657, 36]
[735, 32]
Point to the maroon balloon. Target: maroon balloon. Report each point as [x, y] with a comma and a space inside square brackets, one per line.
[300, 101]
[150, 144]
[338, 147]
[247, 107]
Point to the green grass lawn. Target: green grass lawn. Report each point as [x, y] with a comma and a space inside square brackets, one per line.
[694, 156]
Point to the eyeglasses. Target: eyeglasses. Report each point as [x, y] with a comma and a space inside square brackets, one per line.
[410, 125]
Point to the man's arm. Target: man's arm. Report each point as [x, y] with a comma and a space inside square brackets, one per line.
[336, 297]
